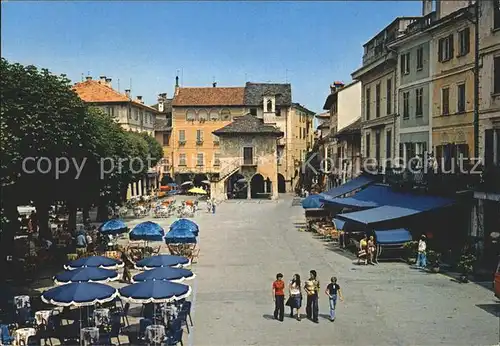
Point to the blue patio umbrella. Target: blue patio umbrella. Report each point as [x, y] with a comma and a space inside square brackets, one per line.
[94, 261]
[312, 202]
[164, 274]
[154, 292]
[180, 235]
[86, 274]
[114, 226]
[79, 294]
[149, 231]
[186, 223]
[162, 261]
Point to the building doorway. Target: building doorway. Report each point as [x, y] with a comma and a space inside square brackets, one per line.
[237, 187]
[281, 183]
[257, 186]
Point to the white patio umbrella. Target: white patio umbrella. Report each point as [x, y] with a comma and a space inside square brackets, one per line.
[205, 182]
[187, 183]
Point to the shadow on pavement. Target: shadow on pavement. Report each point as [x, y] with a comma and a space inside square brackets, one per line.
[493, 308]
[268, 317]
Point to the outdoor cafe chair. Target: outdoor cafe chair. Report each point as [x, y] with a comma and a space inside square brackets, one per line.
[186, 306]
[182, 316]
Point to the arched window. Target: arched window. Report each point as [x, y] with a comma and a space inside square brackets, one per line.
[225, 115]
[214, 115]
[203, 115]
[190, 115]
[269, 106]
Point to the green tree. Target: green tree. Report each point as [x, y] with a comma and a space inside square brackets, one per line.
[41, 116]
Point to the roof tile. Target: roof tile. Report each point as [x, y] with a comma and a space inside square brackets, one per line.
[209, 96]
[248, 124]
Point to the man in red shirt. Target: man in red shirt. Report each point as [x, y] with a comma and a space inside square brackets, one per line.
[279, 297]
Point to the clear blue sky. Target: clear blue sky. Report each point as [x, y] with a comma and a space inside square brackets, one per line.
[235, 42]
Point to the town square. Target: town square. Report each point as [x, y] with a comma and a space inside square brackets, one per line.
[214, 173]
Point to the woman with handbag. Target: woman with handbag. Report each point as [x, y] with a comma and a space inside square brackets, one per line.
[295, 299]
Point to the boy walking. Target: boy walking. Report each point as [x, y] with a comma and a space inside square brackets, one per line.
[332, 291]
[312, 288]
[422, 257]
[279, 297]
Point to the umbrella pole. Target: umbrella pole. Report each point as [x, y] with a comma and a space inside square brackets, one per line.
[80, 313]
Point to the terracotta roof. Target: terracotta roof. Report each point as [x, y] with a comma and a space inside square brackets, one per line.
[210, 96]
[248, 124]
[94, 91]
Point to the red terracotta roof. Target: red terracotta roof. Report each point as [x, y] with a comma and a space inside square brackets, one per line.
[94, 91]
[209, 96]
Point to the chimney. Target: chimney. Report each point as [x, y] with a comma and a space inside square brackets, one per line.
[139, 99]
[88, 78]
[426, 7]
[176, 81]
[108, 82]
[214, 84]
[161, 102]
[127, 92]
[102, 79]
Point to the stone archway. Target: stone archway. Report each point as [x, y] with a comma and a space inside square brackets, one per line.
[198, 180]
[257, 186]
[281, 183]
[237, 186]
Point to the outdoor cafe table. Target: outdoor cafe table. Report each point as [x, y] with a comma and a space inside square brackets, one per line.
[101, 316]
[21, 335]
[42, 316]
[22, 302]
[155, 334]
[90, 335]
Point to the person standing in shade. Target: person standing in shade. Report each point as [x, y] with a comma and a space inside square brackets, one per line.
[279, 297]
[312, 288]
[422, 257]
[333, 291]
[213, 206]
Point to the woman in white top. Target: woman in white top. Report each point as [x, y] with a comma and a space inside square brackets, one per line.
[295, 300]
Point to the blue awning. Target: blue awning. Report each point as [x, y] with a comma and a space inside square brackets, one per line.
[378, 215]
[382, 195]
[339, 224]
[351, 185]
[392, 236]
[312, 202]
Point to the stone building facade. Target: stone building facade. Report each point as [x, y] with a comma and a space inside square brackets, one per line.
[248, 153]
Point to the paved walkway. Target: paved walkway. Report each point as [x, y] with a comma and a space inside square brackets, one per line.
[246, 243]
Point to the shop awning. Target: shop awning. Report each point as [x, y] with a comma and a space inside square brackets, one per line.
[392, 236]
[351, 185]
[339, 224]
[312, 202]
[381, 195]
[381, 214]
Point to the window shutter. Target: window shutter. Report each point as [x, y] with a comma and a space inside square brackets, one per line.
[451, 46]
[402, 63]
[407, 62]
[440, 50]
[488, 147]
[467, 40]
[401, 150]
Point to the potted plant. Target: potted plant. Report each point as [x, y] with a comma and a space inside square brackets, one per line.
[411, 248]
[433, 261]
[466, 266]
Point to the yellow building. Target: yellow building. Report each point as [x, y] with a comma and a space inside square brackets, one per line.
[196, 113]
[452, 64]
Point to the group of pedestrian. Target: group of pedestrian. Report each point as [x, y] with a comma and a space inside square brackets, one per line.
[311, 289]
[367, 250]
[211, 204]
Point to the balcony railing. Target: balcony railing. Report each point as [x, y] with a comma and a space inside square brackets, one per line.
[421, 23]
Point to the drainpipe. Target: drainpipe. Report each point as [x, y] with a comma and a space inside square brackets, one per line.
[476, 79]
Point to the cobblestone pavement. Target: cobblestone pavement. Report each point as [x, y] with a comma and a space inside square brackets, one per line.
[246, 243]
